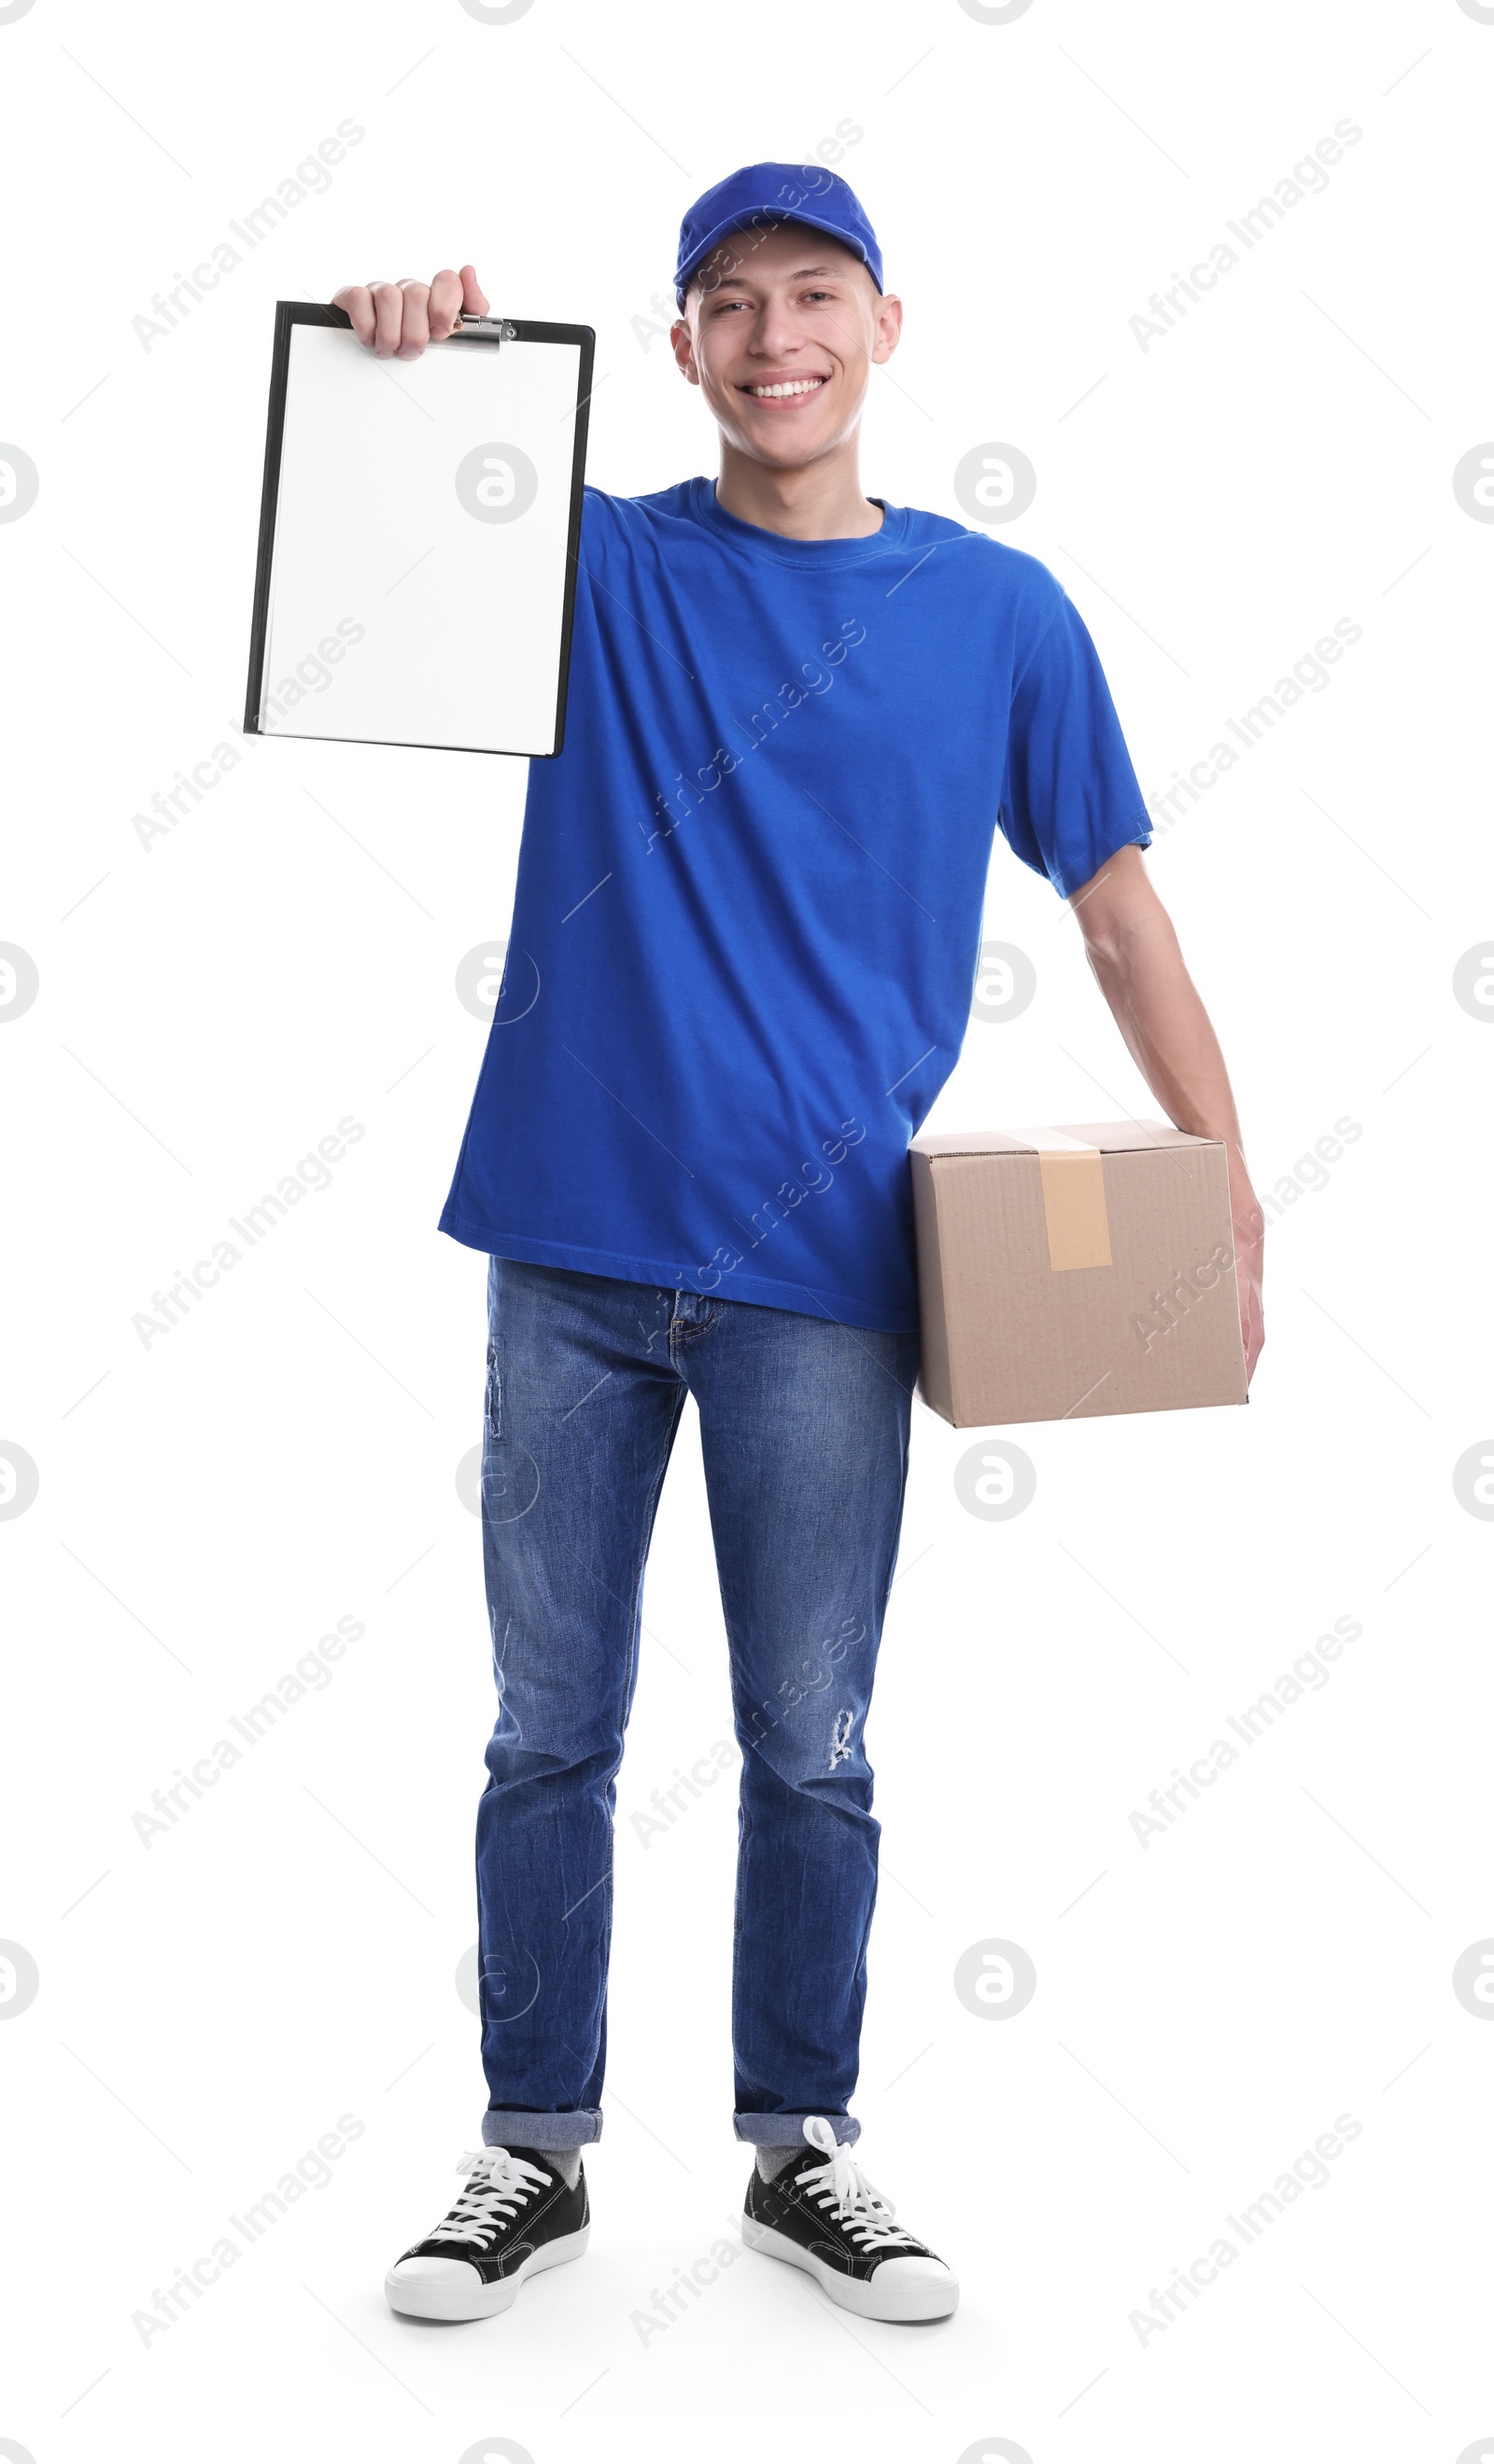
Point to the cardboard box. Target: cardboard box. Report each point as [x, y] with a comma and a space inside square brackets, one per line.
[1068, 1272]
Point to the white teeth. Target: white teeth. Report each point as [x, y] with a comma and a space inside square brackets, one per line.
[777, 392]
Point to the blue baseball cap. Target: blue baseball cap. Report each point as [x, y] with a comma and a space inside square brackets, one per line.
[765, 194]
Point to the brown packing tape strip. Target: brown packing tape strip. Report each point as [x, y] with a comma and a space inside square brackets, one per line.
[1073, 1205]
[1073, 1198]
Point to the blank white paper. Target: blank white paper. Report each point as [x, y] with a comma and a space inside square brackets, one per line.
[418, 573]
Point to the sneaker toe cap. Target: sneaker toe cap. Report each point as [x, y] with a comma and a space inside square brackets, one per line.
[919, 2287]
[457, 2273]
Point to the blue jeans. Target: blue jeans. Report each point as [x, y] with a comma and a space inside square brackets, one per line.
[804, 1429]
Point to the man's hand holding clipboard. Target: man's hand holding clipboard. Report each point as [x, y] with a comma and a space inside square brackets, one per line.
[395, 320]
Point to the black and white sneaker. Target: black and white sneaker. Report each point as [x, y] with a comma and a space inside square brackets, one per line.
[823, 2216]
[517, 2215]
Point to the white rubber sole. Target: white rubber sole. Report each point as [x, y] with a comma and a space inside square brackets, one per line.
[902, 2303]
[423, 2298]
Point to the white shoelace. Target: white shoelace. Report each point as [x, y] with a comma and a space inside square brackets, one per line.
[840, 2185]
[497, 2188]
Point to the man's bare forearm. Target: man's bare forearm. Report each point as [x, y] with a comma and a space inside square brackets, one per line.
[1134, 955]
[1141, 971]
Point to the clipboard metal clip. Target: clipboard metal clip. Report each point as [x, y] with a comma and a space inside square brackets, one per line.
[501, 329]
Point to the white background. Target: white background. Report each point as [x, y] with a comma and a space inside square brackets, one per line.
[212, 1004]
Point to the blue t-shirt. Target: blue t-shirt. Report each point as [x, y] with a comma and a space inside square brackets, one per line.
[748, 913]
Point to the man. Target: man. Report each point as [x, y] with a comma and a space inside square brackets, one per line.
[745, 932]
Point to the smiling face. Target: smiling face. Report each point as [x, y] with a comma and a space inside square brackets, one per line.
[781, 331]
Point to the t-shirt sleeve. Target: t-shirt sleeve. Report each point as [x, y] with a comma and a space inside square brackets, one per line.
[1069, 797]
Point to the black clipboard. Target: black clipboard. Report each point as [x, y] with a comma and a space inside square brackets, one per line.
[441, 499]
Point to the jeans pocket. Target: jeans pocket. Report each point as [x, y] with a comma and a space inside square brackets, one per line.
[492, 1402]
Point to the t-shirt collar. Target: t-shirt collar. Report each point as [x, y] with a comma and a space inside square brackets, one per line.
[775, 549]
